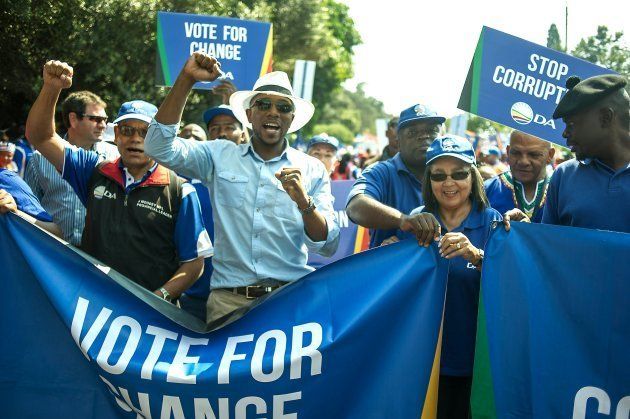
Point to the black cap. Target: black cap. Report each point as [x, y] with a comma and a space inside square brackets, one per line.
[582, 94]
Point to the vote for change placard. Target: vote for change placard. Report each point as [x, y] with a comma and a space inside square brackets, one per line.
[243, 47]
[518, 83]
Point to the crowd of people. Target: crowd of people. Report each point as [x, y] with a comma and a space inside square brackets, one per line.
[213, 219]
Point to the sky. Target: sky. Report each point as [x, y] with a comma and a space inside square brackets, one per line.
[419, 51]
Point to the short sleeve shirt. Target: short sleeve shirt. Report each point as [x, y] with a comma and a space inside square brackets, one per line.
[589, 194]
[391, 183]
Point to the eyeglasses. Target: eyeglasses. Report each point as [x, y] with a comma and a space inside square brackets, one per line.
[265, 105]
[441, 177]
[129, 131]
[94, 118]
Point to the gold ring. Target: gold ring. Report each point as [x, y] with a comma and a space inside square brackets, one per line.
[459, 245]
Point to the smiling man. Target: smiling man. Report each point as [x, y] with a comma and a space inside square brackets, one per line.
[593, 190]
[142, 219]
[524, 186]
[271, 202]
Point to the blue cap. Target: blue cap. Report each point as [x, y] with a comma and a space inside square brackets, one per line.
[494, 150]
[419, 113]
[451, 145]
[324, 139]
[136, 109]
[219, 110]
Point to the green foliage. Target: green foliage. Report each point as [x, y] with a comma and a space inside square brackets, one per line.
[606, 50]
[553, 38]
[336, 130]
[354, 110]
[111, 45]
[482, 125]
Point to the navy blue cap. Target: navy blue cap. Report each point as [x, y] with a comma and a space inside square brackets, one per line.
[219, 110]
[419, 113]
[493, 149]
[451, 145]
[136, 109]
[324, 139]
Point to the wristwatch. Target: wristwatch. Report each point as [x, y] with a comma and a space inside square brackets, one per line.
[166, 295]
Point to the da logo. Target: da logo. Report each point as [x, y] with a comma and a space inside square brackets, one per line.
[100, 192]
[419, 110]
[522, 113]
[448, 145]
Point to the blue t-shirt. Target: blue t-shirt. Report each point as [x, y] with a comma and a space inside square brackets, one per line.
[391, 183]
[201, 288]
[462, 296]
[24, 197]
[23, 153]
[191, 238]
[589, 194]
[501, 196]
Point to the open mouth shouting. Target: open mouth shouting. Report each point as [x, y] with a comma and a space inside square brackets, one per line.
[135, 151]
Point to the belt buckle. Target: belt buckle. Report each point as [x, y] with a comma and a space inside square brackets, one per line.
[247, 293]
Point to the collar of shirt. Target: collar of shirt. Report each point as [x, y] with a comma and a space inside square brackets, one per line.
[598, 162]
[249, 148]
[130, 182]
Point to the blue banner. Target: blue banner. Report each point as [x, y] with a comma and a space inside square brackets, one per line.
[243, 47]
[347, 229]
[518, 83]
[558, 322]
[355, 339]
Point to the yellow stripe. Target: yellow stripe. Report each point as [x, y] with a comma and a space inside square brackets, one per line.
[429, 410]
[358, 241]
[268, 53]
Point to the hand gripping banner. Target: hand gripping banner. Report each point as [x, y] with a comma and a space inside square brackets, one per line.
[355, 339]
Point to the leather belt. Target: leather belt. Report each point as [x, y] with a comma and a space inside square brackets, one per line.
[253, 291]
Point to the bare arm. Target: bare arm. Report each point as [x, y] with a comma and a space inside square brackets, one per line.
[40, 125]
[199, 67]
[370, 213]
[8, 204]
[183, 278]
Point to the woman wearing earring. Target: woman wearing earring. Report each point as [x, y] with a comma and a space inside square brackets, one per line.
[453, 192]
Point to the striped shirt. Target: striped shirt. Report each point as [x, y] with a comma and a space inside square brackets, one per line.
[57, 196]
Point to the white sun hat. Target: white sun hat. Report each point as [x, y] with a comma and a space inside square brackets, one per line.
[275, 83]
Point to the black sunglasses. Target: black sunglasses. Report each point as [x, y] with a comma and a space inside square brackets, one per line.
[265, 105]
[441, 177]
[129, 131]
[94, 118]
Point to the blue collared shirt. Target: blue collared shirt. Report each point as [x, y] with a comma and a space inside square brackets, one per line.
[589, 194]
[259, 231]
[462, 295]
[391, 183]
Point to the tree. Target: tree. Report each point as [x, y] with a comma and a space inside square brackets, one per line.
[111, 45]
[606, 50]
[553, 38]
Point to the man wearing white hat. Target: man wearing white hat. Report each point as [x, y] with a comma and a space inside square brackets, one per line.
[271, 202]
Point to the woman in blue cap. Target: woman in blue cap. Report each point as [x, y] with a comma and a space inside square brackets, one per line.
[453, 192]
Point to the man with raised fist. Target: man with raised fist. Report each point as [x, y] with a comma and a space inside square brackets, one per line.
[142, 219]
[271, 202]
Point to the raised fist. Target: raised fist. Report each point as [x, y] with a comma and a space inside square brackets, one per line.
[58, 74]
[202, 67]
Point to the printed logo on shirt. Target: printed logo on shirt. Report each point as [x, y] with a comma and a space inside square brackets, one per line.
[470, 266]
[101, 191]
[154, 207]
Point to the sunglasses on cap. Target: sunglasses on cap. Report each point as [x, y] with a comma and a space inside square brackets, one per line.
[265, 105]
[441, 177]
[129, 131]
[94, 118]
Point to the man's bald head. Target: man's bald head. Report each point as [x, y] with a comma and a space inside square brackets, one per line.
[528, 157]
